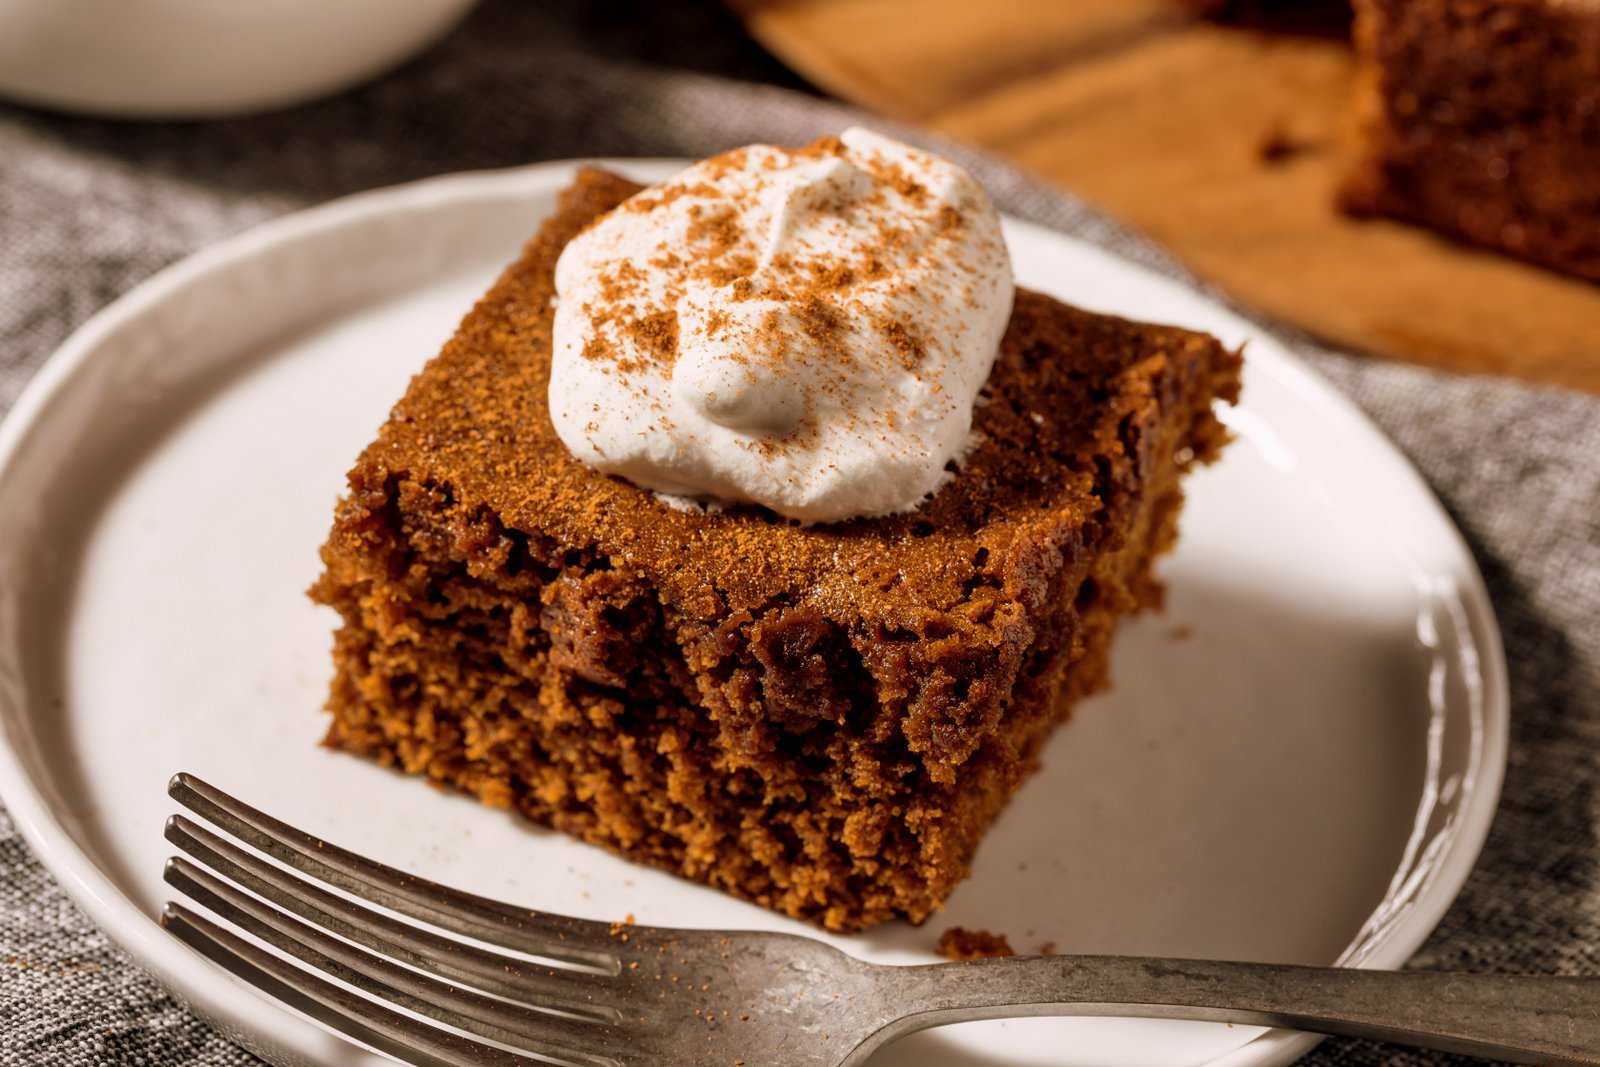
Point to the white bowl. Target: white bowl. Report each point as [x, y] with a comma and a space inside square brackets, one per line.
[202, 58]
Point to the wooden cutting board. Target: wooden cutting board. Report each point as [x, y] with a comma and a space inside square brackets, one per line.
[1224, 144]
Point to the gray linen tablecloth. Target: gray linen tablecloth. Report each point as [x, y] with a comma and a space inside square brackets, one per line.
[88, 209]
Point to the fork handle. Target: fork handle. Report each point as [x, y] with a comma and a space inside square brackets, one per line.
[1530, 1019]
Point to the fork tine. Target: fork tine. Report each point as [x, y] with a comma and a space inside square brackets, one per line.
[579, 992]
[555, 937]
[408, 1040]
[555, 1037]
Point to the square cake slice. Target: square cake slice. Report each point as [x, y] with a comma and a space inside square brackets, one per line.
[821, 719]
[1481, 118]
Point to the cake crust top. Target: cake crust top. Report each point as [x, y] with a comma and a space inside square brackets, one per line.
[1062, 424]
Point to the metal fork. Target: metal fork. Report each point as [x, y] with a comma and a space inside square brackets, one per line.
[514, 985]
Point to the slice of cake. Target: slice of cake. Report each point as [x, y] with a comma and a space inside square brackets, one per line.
[822, 718]
[1481, 118]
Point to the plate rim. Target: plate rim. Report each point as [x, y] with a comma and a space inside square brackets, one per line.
[192, 979]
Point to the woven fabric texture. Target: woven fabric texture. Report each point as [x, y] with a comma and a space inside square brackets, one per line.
[90, 208]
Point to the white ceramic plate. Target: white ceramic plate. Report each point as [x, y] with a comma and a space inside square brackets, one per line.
[1299, 762]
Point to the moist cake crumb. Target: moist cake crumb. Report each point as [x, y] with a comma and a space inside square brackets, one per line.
[959, 943]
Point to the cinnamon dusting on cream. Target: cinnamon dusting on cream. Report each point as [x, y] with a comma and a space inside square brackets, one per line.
[817, 321]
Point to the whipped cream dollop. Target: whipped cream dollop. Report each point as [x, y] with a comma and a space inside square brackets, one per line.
[806, 329]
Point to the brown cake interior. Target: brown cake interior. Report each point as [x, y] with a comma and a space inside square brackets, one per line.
[824, 720]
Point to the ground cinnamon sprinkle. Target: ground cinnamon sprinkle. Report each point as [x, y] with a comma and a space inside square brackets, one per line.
[654, 198]
[656, 333]
[821, 148]
[818, 289]
[903, 183]
[905, 342]
[732, 271]
[719, 227]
